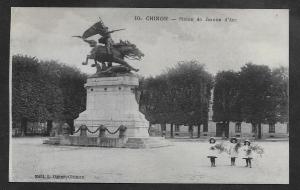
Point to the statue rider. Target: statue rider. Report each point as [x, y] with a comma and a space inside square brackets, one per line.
[107, 41]
[107, 56]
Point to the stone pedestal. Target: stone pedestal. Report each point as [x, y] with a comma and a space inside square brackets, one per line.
[111, 102]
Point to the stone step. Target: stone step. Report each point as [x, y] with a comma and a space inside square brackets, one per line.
[152, 145]
[134, 146]
[150, 139]
[143, 142]
[147, 142]
[54, 138]
[51, 141]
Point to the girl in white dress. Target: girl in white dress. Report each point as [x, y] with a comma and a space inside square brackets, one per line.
[212, 152]
[248, 156]
[233, 150]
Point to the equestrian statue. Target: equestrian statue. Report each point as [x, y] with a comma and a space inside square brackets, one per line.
[107, 52]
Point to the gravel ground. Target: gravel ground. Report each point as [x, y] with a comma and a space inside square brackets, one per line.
[185, 162]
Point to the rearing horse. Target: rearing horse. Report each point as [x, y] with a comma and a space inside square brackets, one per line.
[119, 52]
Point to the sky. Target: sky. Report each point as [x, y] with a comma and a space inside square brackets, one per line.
[260, 36]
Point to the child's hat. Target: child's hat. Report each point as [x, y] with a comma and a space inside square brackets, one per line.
[247, 141]
[212, 139]
[233, 139]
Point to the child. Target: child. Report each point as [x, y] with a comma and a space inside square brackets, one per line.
[212, 152]
[233, 150]
[248, 153]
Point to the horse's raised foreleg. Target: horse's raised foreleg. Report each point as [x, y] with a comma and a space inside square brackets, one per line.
[122, 62]
[97, 65]
[86, 60]
[104, 67]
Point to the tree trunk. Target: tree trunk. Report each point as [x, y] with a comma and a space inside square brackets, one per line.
[254, 126]
[223, 129]
[191, 131]
[198, 132]
[162, 128]
[70, 122]
[205, 126]
[227, 129]
[259, 131]
[257, 127]
[172, 134]
[149, 129]
[23, 126]
[49, 127]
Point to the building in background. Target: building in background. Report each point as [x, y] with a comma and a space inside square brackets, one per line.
[213, 129]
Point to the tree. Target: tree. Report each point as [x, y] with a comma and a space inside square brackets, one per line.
[255, 93]
[190, 89]
[179, 96]
[45, 90]
[154, 99]
[27, 91]
[73, 92]
[279, 96]
[226, 105]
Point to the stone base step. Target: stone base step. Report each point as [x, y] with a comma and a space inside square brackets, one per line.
[53, 140]
[86, 141]
[147, 142]
[131, 142]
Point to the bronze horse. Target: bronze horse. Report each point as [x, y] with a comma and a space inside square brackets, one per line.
[119, 52]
